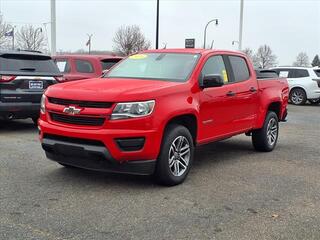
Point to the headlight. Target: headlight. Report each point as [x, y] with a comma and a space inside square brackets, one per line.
[132, 109]
[43, 104]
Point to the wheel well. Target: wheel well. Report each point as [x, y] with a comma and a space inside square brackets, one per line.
[189, 121]
[297, 88]
[275, 107]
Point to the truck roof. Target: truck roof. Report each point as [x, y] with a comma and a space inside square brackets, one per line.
[194, 51]
[95, 56]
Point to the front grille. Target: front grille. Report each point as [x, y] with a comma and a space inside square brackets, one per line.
[76, 120]
[88, 104]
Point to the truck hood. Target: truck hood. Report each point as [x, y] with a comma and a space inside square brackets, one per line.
[110, 89]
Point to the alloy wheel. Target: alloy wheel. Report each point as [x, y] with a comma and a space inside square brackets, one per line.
[179, 156]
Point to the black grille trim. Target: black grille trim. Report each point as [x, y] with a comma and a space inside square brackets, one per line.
[88, 104]
[77, 120]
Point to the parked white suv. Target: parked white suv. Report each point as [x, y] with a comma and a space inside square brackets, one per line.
[304, 83]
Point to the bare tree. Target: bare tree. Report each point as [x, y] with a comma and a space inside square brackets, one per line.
[302, 60]
[130, 39]
[4, 28]
[248, 52]
[264, 58]
[31, 38]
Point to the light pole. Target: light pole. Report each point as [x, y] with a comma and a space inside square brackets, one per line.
[205, 31]
[157, 26]
[241, 24]
[53, 27]
[212, 44]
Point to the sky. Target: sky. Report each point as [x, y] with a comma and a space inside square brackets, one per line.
[288, 27]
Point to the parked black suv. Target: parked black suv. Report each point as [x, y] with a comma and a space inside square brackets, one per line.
[24, 76]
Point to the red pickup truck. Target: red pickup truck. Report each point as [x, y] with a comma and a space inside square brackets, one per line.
[150, 111]
[77, 67]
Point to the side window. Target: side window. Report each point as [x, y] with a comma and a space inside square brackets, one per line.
[84, 66]
[63, 65]
[215, 65]
[300, 73]
[283, 73]
[240, 68]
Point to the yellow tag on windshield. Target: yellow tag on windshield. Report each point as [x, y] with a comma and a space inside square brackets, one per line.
[138, 56]
[225, 76]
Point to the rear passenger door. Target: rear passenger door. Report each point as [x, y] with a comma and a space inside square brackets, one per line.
[245, 87]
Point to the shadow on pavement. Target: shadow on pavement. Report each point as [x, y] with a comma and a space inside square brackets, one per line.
[17, 125]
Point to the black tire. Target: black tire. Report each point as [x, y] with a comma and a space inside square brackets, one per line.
[260, 137]
[314, 101]
[298, 96]
[35, 121]
[163, 173]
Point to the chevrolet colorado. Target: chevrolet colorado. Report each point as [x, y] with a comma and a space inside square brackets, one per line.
[150, 111]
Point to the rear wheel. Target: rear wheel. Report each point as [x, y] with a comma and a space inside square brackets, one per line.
[298, 96]
[314, 101]
[265, 139]
[35, 120]
[176, 156]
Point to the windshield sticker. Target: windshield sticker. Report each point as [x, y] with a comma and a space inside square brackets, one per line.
[138, 56]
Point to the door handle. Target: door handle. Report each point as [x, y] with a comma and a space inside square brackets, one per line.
[253, 89]
[231, 94]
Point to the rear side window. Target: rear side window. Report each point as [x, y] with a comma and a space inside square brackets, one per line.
[63, 65]
[84, 66]
[240, 68]
[27, 63]
[317, 72]
[215, 65]
[300, 73]
[106, 64]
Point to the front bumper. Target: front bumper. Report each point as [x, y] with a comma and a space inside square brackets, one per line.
[100, 149]
[19, 110]
[93, 157]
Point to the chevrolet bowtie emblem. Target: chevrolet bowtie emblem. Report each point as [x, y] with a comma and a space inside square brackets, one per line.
[72, 110]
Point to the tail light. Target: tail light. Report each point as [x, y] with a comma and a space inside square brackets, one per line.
[7, 78]
[60, 79]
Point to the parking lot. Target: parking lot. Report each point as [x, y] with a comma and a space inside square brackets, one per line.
[232, 191]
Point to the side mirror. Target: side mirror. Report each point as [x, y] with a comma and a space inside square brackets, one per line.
[212, 80]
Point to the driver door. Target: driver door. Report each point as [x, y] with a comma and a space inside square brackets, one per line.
[216, 103]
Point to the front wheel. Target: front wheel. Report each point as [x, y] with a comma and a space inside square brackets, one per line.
[176, 156]
[265, 139]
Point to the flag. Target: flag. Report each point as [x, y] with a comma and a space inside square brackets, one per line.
[9, 34]
[88, 43]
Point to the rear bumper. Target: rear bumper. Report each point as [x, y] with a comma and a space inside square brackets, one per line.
[19, 110]
[93, 157]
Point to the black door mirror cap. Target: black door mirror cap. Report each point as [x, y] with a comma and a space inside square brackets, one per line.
[212, 80]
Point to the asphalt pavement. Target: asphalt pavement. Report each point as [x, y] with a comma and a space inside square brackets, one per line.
[232, 192]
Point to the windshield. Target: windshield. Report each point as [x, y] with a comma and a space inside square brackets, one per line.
[163, 66]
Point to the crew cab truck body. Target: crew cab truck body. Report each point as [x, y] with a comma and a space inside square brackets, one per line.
[78, 67]
[151, 110]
